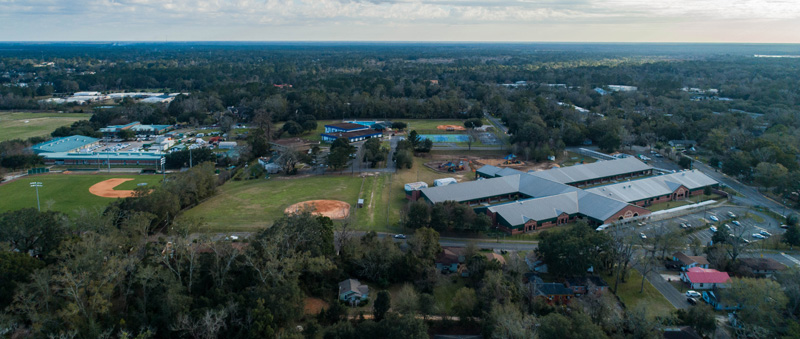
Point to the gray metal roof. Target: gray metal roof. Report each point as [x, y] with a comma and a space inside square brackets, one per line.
[550, 207]
[597, 170]
[636, 190]
[489, 170]
[480, 189]
[64, 144]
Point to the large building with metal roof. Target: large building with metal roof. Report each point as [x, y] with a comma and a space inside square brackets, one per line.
[71, 143]
[657, 189]
[104, 158]
[580, 175]
[521, 202]
[112, 131]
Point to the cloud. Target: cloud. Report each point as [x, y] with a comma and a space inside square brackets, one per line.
[151, 15]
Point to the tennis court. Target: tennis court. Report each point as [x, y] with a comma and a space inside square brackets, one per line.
[445, 137]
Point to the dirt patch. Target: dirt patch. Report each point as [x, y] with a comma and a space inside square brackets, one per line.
[333, 209]
[451, 128]
[312, 306]
[105, 188]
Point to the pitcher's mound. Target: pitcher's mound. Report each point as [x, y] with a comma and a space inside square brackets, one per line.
[106, 189]
[333, 209]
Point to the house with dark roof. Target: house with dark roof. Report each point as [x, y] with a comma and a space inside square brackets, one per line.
[553, 293]
[353, 291]
[585, 285]
[705, 278]
[686, 262]
[448, 260]
[764, 267]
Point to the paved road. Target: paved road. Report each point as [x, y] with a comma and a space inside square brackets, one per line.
[672, 295]
[497, 123]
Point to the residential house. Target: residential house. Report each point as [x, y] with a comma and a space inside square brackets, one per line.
[686, 262]
[352, 291]
[448, 260]
[705, 278]
[766, 267]
[553, 293]
[584, 285]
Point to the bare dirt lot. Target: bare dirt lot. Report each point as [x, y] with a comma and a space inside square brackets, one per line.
[106, 189]
[451, 128]
[333, 209]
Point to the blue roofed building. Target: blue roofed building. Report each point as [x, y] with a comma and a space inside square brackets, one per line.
[73, 143]
[104, 158]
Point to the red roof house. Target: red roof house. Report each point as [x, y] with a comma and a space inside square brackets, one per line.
[705, 278]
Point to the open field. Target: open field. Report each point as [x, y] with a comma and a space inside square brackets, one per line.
[64, 192]
[655, 303]
[248, 205]
[13, 124]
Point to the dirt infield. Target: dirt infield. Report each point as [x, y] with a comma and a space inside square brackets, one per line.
[451, 128]
[105, 188]
[333, 209]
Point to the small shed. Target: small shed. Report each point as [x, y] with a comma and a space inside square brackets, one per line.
[444, 182]
[412, 189]
[360, 203]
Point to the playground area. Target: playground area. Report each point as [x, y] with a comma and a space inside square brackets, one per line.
[451, 166]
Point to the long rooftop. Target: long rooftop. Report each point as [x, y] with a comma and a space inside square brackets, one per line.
[63, 144]
[596, 170]
[636, 190]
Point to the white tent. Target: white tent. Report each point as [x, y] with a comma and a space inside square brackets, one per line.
[444, 182]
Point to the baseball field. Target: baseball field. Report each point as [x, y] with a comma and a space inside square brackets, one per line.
[19, 125]
[65, 192]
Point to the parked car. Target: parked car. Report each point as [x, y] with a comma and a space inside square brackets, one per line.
[683, 225]
[765, 233]
[736, 222]
[784, 226]
[730, 214]
[641, 235]
[713, 218]
[728, 227]
[691, 301]
[758, 236]
[693, 294]
[688, 225]
[713, 229]
[399, 236]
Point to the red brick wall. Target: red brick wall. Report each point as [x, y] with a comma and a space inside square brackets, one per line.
[629, 210]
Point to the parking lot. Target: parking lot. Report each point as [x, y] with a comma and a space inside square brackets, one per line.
[702, 222]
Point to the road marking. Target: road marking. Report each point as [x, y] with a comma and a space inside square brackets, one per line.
[795, 261]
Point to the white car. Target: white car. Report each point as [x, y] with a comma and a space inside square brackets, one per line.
[714, 229]
[713, 218]
[693, 294]
[737, 223]
[641, 235]
[765, 233]
[399, 236]
[758, 236]
[730, 214]
[728, 227]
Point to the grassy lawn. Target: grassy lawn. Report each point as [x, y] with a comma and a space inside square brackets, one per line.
[628, 292]
[64, 192]
[373, 216]
[575, 158]
[13, 125]
[252, 204]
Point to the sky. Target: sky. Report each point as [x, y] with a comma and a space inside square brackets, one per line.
[757, 21]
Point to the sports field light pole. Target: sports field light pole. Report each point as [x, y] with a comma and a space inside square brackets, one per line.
[37, 185]
[163, 161]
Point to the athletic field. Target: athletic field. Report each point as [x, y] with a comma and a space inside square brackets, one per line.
[14, 125]
[64, 192]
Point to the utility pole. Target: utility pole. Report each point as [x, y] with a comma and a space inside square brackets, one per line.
[37, 185]
[163, 161]
[190, 157]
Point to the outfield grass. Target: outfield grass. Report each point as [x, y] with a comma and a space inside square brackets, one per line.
[13, 124]
[64, 192]
[628, 291]
[251, 204]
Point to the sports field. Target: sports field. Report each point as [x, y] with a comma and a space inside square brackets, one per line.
[15, 125]
[64, 192]
[251, 204]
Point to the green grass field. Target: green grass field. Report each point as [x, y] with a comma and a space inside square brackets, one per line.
[13, 124]
[248, 205]
[629, 293]
[64, 192]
